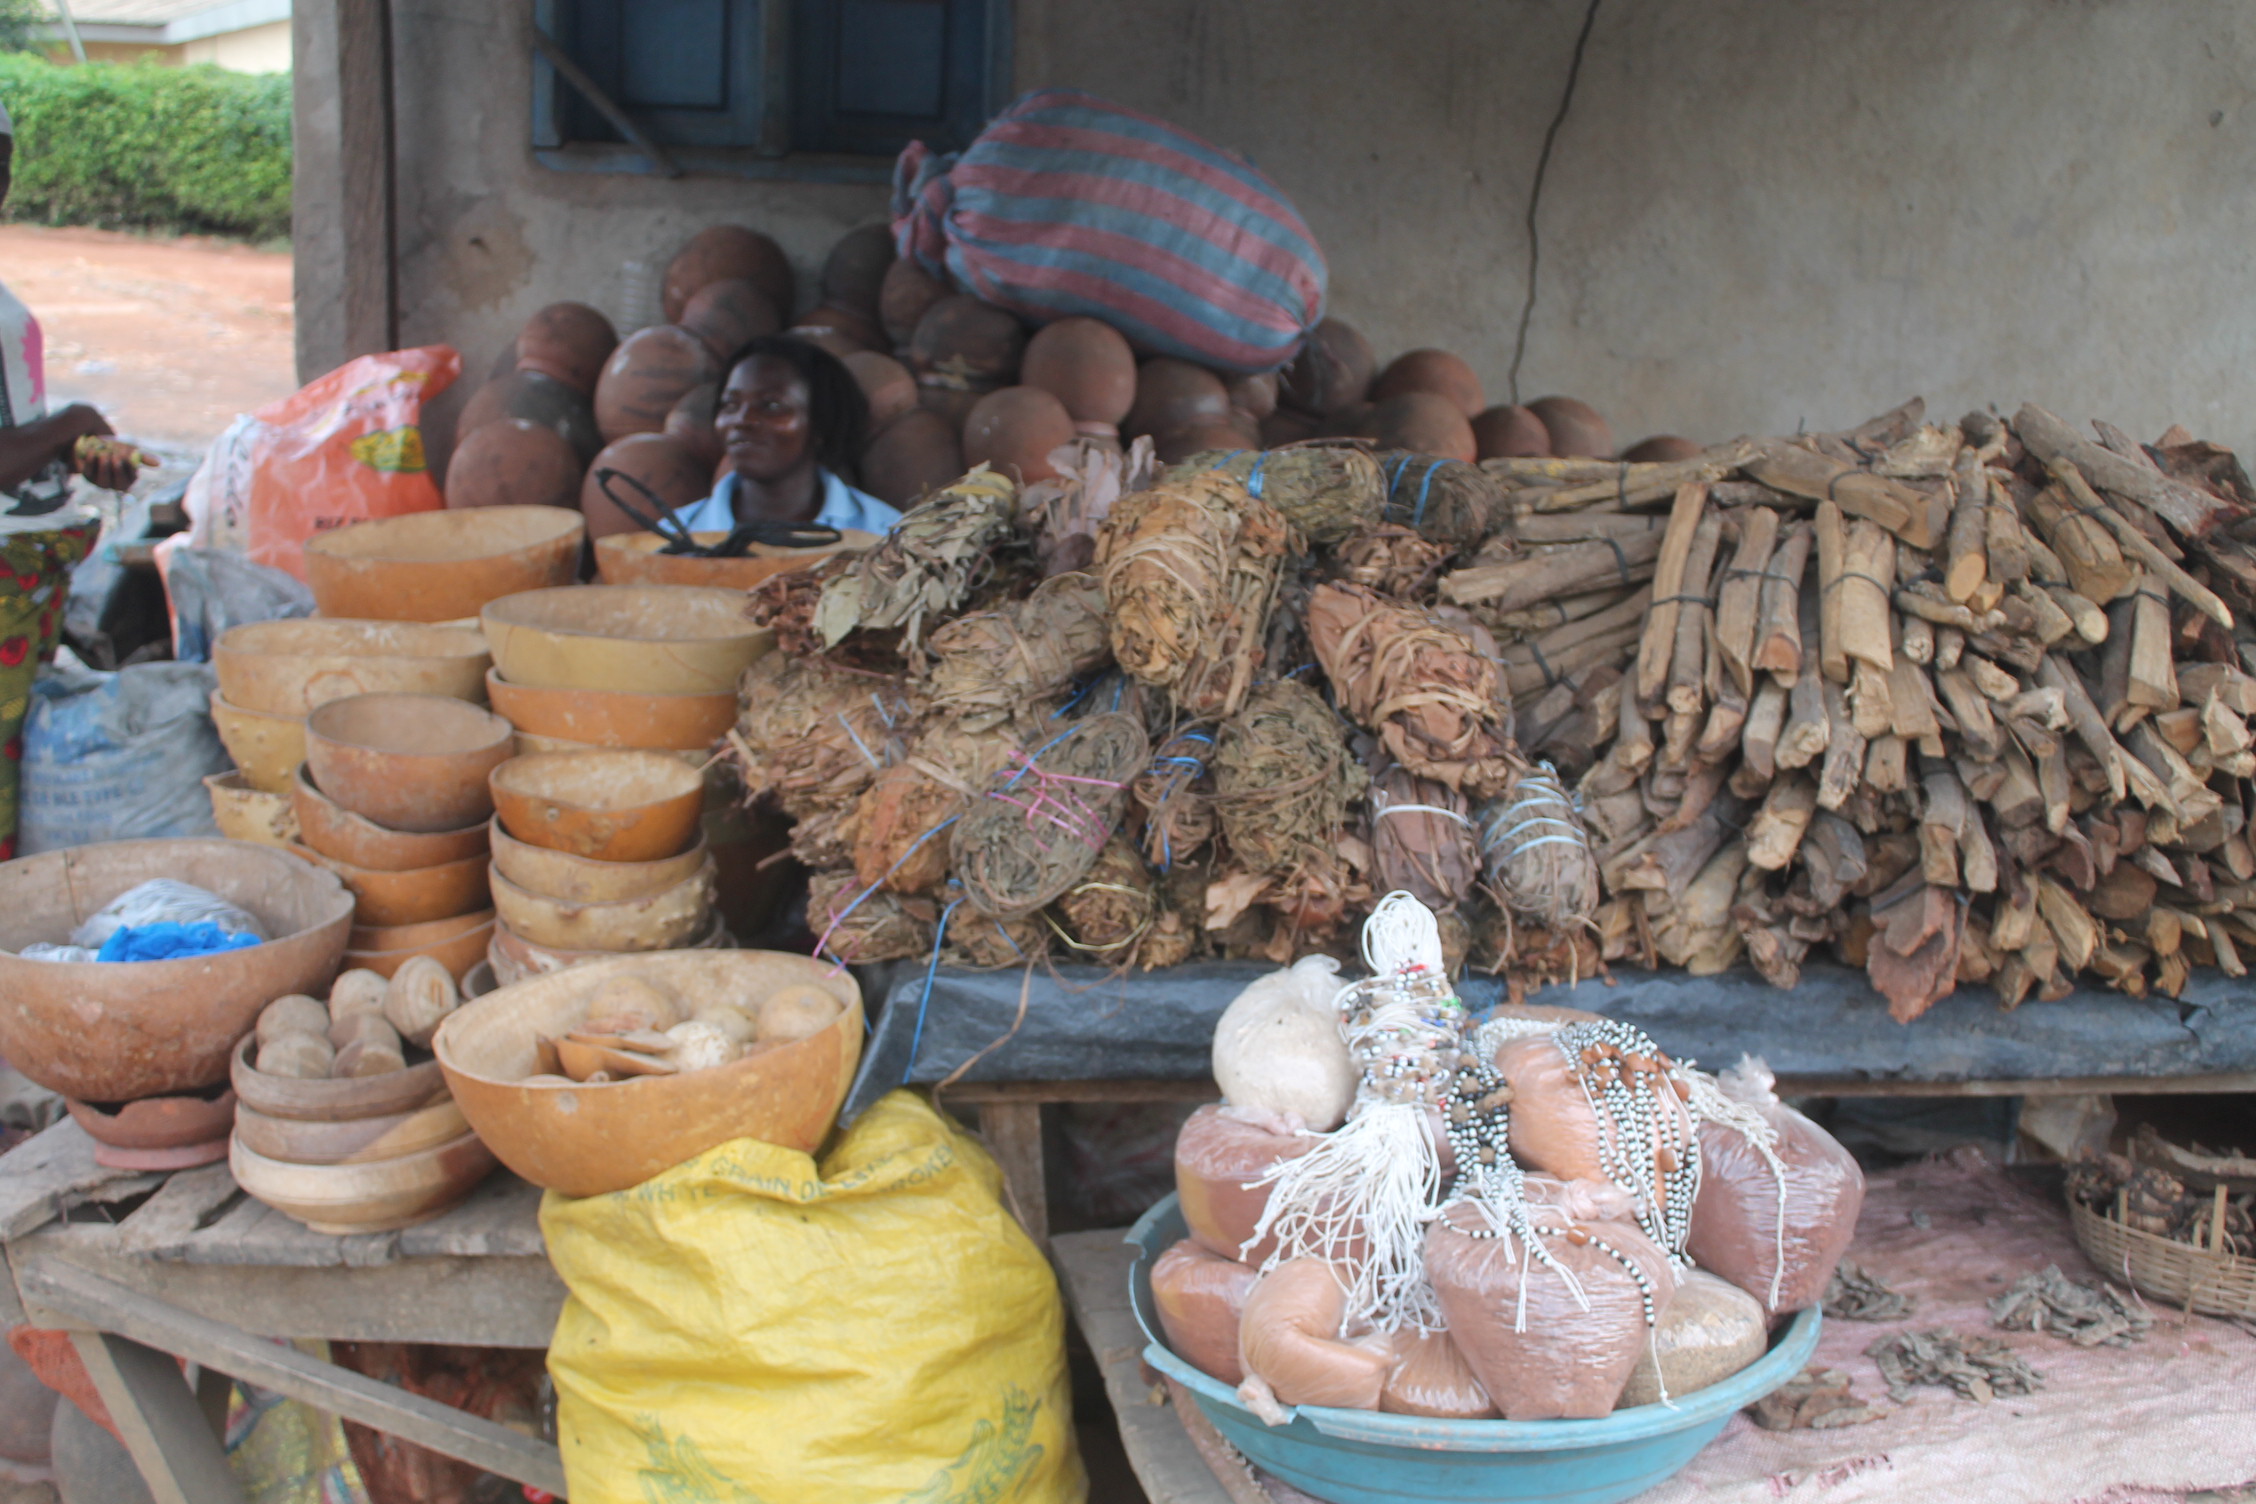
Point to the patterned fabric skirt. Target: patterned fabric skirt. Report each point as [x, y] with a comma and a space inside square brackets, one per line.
[35, 571]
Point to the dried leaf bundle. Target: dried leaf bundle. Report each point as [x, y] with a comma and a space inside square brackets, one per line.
[1422, 839]
[1391, 559]
[1426, 686]
[1176, 793]
[1066, 512]
[1103, 916]
[859, 925]
[1283, 780]
[1538, 856]
[992, 665]
[986, 943]
[1445, 500]
[811, 735]
[1036, 832]
[1327, 488]
[926, 566]
[785, 603]
[898, 831]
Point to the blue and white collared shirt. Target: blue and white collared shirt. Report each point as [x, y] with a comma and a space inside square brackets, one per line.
[842, 507]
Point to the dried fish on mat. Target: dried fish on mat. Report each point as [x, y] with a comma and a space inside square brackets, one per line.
[811, 735]
[1176, 793]
[1446, 500]
[1283, 780]
[1327, 488]
[984, 943]
[926, 566]
[1066, 511]
[1102, 917]
[1037, 832]
[1422, 839]
[1856, 1294]
[1537, 854]
[1975, 1368]
[1813, 1400]
[992, 665]
[900, 836]
[1391, 559]
[2087, 1315]
[858, 924]
[1428, 687]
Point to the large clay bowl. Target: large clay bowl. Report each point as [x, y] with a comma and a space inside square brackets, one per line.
[640, 639]
[331, 829]
[612, 806]
[614, 718]
[243, 813]
[579, 879]
[157, 1122]
[634, 559]
[408, 762]
[267, 748]
[590, 1140]
[289, 667]
[415, 896]
[441, 566]
[666, 920]
[115, 1031]
[390, 1135]
[461, 946]
[365, 1196]
[325, 1101]
[510, 957]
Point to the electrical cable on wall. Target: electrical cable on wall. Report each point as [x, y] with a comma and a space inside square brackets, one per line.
[1535, 193]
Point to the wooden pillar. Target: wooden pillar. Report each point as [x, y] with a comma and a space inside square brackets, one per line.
[345, 209]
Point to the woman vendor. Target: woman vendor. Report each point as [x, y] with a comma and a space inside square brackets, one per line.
[792, 418]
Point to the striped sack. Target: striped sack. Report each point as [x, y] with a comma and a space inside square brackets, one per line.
[1068, 205]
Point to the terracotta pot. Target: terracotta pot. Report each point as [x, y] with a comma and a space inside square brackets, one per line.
[722, 251]
[267, 748]
[841, 331]
[158, 1122]
[354, 1141]
[666, 920]
[726, 313]
[326, 1101]
[537, 399]
[853, 274]
[117, 1031]
[1435, 371]
[1086, 364]
[1174, 394]
[513, 462]
[690, 424]
[634, 559]
[568, 342]
[1577, 430]
[408, 762]
[289, 667]
[1661, 449]
[441, 566]
[916, 453]
[1507, 432]
[243, 813]
[415, 896]
[586, 1140]
[510, 957]
[613, 718]
[612, 806]
[1015, 429]
[566, 878]
[965, 336]
[639, 639]
[905, 294]
[670, 468]
[334, 831]
[886, 383]
[646, 376]
[1424, 423]
[1331, 374]
[376, 1196]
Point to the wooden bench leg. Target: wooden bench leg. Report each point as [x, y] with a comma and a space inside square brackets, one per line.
[1013, 1131]
[160, 1421]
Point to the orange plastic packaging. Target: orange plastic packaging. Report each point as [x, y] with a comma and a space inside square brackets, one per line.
[1289, 1339]
[1745, 1217]
[1220, 1156]
[1201, 1297]
[1430, 1377]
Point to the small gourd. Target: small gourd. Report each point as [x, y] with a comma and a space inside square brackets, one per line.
[732, 1021]
[630, 1002]
[302, 1057]
[700, 1046]
[293, 1014]
[419, 997]
[372, 1049]
[356, 991]
[791, 1013]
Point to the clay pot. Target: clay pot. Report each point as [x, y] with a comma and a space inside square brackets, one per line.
[290, 667]
[646, 376]
[569, 342]
[1332, 372]
[390, 1135]
[1180, 444]
[585, 1140]
[512, 462]
[661, 462]
[914, 454]
[158, 1133]
[513, 958]
[377, 1196]
[1015, 429]
[267, 748]
[561, 876]
[960, 336]
[636, 639]
[330, 1101]
[121, 1030]
[636, 559]
[720, 252]
[1423, 423]
[615, 718]
[458, 944]
[1435, 371]
[243, 813]
[853, 274]
[620, 806]
[1576, 430]
[1174, 394]
[334, 831]
[690, 424]
[726, 313]
[1086, 364]
[1661, 449]
[441, 566]
[1510, 433]
[1289, 426]
[407, 762]
[841, 331]
[1255, 396]
[416, 896]
[665, 920]
[886, 383]
[905, 295]
[535, 399]
[952, 405]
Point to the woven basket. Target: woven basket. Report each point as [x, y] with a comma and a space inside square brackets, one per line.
[2198, 1279]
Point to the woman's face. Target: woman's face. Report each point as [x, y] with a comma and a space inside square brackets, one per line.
[764, 419]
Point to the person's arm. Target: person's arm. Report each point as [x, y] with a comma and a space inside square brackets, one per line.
[27, 450]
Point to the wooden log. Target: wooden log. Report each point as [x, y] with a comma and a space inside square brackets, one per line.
[1977, 728]
[1578, 527]
[1977, 854]
[1632, 484]
[1738, 596]
[1765, 723]
[1530, 667]
[1778, 632]
[1775, 832]
[2193, 512]
[2089, 620]
[2005, 543]
[1887, 760]
[1916, 640]
[2138, 545]
[1570, 569]
[1868, 564]
[1844, 750]
[1543, 616]
[2153, 683]
[1695, 621]
[1916, 517]
[1966, 548]
[1658, 647]
[1942, 820]
[2087, 548]
[1911, 703]
[1950, 646]
[1808, 723]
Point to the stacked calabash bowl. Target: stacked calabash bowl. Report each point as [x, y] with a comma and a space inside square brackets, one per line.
[442, 566]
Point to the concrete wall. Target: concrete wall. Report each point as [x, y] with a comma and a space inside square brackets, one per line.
[254, 49]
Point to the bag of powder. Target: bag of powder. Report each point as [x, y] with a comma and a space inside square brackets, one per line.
[1290, 1345]
[1711, 1330]
[1219, 1155]
[1201, 1297]
[1431, 1377]
[1773, 1219]
[1277, 1047]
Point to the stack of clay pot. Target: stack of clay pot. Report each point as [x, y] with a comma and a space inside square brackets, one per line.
[345, 1122]
[392, 797]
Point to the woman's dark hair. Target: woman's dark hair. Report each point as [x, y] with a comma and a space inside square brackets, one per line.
[837, 411]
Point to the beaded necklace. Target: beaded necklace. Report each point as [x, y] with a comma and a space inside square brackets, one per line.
[1647, 1142]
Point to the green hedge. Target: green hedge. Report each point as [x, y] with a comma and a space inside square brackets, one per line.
[139, 146]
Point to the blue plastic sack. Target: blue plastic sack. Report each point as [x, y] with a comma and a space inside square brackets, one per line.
[170, 942]
[120, 756]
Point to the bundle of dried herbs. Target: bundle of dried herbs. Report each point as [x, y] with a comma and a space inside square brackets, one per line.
[858, 924]
[994, 665]
[1975, 1368]
[811, 735]
[1038, 831]
[1283, 780]
[1327, 488]
[900, 837]
[926, 566]
[2087, 1315]
[1178, 928]
[1538, 855]
[984, 942]
[1176, 793]
[1391, 559]
[1103, 916]
[786, 602]
[1446, 500]
[1422, 839]
[1428, 687]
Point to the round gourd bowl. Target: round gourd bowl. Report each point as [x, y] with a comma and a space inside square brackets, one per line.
[332, 830]
[267, 748]
[666, 920]
[614, 718]
[324, 1101]
[389, 1135]
[408, 762]
[510, 957]
[360, 1196]
[457, 944]
[612, 806]
[157, 1122]
[588, 1140]
[115, 1031]
[243, 813]
[578, 879]
[638, 639]
[289, 667]
[415, 896]
[635, 559]
[441, 566]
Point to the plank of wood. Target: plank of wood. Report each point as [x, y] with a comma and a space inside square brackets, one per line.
[977, 1093]
[2062, 1086]
[255, 1233]
[187, 1203]
[159, 1420]
[1013, 1131]
[500, 1219]
[53, 1171]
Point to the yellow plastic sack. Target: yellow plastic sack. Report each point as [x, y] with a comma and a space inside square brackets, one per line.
[754, 1328]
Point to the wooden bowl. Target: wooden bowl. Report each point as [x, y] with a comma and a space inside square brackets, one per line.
[332, 830]
[390, 1135]
[267, 748]
[666, 920]
[611, 718]
[408, 762]
[441, 566]
[612, 806]
[243, 813]
[116, 1031]
[418, 895]
[512, 958]
[289, 667]
[634, 559]
[458, 944]
[638, 639]
[586, 1140]
[578, 879]
[325, 1101]
[365, 1196]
